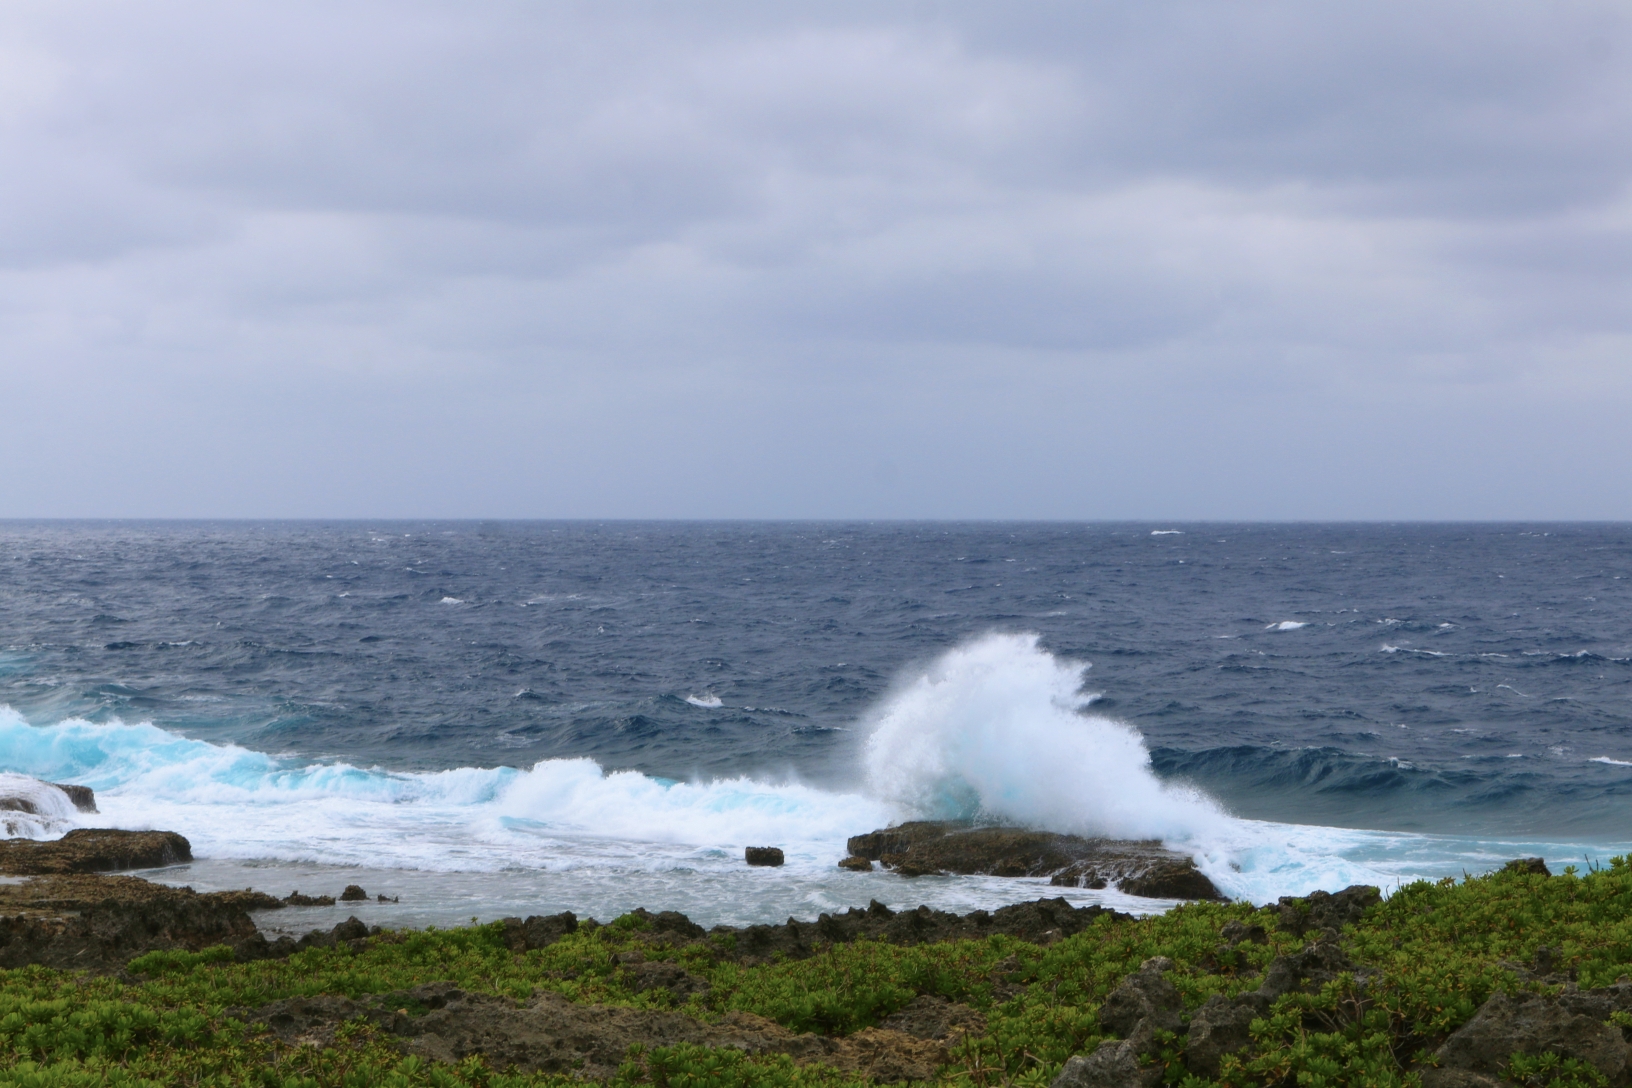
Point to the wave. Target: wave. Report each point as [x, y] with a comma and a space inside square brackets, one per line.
[1286, 625]
[232, 802]
[996, 729]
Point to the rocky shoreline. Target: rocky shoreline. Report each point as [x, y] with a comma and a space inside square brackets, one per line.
[1228, 984]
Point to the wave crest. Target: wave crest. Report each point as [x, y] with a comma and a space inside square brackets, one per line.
[997, 729]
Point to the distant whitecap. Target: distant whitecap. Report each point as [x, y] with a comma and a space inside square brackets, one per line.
[707, 701]
[453, 600]
[1286, 625]
[1167, 532]
[1611, 762]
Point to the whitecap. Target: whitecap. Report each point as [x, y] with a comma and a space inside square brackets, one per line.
[1611, 762]
[707, 700]
[1167, 532]
[452, 600]
[1286, 625]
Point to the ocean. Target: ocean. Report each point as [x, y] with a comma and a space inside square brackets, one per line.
[512, 718]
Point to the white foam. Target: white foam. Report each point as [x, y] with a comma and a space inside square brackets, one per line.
[995, 728]
[1611, 762]
[1167, 532]
[707, 700]
[1286, 625]
[452, 600]
[53, 812]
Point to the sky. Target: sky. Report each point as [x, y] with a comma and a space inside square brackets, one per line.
[1075, 260]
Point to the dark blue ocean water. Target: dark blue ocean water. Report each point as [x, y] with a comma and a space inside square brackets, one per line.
[1460, 679]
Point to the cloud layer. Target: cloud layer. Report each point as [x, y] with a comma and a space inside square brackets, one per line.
[1175, 260]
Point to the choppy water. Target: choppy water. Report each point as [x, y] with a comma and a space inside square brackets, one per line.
[600, 716]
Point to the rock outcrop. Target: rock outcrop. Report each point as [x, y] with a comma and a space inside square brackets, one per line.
[1571, 1024]
[763, 855]
[100, 922]
[93, 850]
[30, 808]
[1145, 868]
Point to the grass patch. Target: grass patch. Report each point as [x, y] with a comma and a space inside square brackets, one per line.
[1432, 953]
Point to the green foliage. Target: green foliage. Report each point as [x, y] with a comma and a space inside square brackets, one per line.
[1428, 956]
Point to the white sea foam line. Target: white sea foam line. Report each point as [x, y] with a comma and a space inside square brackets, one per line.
[995, 728]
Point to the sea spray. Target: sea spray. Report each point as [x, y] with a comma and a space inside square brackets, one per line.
[998, 729]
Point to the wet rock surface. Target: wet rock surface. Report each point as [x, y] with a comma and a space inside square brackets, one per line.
[1145, 868]
[94, 850]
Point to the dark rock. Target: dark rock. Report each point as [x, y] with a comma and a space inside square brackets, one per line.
[83, 798]
[295, 899]
[664, 976]
[1043, 921]
[99, 923]
[1304, 971]
[1537, 866]
[1238, 932]
[1143, 995]
[353, 894]
[1220, 1027]
[1114, 1064]
[763, 855]
[94, 850]
[1530, 1023]
[1324, 910]
[857, 863]
[352, 929]
[931, 1017]
[1139, 868]
[1171, 880]
[538, 931]
[383, 898]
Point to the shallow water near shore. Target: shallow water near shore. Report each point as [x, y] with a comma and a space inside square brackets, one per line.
[521, 719]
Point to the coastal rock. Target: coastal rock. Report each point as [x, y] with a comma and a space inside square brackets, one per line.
[1529, 866]
[1221, 1026]
[353, 894]
[856, 863]
[94, 850]
[763, 855]
[1143, 995]
[295, 899]
[1531, 1023]
[1143, 868]
[931, 1017]
[99, 923]
[1114, 1064]
[539, 931]
[1326, 910]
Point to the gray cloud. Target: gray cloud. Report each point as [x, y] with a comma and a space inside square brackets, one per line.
[1070, 260]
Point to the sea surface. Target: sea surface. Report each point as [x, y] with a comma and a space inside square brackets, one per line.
[485, 719]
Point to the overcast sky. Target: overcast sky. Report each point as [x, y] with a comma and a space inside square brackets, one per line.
[1073, 260]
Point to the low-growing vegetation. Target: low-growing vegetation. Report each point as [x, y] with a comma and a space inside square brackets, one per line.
[1423, 962]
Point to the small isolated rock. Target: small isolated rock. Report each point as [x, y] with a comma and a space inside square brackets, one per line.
[353, 894]
[1538, 866]
[763, 855]
[857, 863]
[383, 898]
